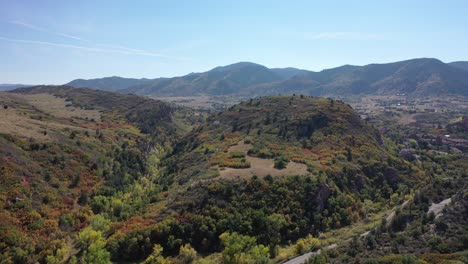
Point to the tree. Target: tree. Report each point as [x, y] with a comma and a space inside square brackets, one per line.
[349, 154]
[99, 223]
[59, 256]
[307, 244]
[281, 162]
[300, 247]
[240, 249]
[156, 257]
[87, 236]
[317, 259]
[96, 253]
[274, 224]
[93, 245]
[187, 254]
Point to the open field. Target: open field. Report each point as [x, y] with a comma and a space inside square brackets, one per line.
[260, 167]
[59, 107]
[19, 115]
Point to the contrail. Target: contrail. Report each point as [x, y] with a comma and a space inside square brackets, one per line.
[33, 27]
[113, 48]
[119, 51]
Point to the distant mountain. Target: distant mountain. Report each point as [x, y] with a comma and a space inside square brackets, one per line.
[225, 80]
[112, 84]
[289, 72]
[8, 87]
[416, 77]
[460, 64]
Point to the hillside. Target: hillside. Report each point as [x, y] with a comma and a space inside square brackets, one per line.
[460, 64]
[60, 147]
[296, 128]
[275, 169]
[417, 77]
[430, 228]
[88, 175]
[289, 72]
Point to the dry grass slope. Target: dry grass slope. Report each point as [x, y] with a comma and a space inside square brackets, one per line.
[260, 167]
[39, 116]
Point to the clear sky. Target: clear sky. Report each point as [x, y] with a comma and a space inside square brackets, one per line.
[53, 42]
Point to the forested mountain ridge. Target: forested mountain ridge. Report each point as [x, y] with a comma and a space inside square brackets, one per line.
[414, 77]
[111, 84]
[224, 80]
[7, 87]
[460, 64]
[418, 77]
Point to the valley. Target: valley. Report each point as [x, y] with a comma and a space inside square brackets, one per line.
[233, 132]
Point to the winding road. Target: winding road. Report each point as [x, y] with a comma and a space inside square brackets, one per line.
[303, 258]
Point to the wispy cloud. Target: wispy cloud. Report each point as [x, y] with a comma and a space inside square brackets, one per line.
[92, 49]
[95, 47]
[36, 28]
[344, 35]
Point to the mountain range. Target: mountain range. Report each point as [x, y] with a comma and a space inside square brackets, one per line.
[8, 86]
[424, 76]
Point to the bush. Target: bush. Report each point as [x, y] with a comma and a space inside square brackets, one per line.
[307, 244]
[237, 154]
[281, 162]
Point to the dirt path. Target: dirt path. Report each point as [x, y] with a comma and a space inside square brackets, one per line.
[438, 207]
[392, 214]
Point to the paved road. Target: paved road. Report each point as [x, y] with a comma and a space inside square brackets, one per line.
[302, 258]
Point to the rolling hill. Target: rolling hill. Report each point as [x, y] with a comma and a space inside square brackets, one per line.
[273, 168]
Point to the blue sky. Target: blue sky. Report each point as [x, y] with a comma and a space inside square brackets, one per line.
[53, 42]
